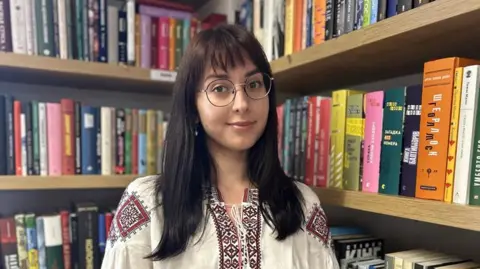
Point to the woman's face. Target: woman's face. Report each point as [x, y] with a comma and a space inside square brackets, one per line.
[235, 125]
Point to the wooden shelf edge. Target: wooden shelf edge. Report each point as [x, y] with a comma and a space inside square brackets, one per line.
[436, 212]
[17, 183]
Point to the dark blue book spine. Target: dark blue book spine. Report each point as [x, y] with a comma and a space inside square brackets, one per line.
[3, 137]
[411, 137]
[29, 136]
[102, 32]
[102, 237]
[391, 8]
[122, 36]
[98, 141]
[309, 24]
[89, 141]
[10, 137]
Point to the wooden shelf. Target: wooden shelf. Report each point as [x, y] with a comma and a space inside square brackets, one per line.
[390, 48]
[10, 183]
[458, 216]
[43, 70]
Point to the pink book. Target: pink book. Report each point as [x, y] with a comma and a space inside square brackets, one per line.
[372, 141]
[323, 137]
[54, 135]
[146, 41]
[163, 38]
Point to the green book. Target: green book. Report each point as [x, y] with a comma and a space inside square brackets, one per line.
[391, 151]
[355, 125]
[53, 241]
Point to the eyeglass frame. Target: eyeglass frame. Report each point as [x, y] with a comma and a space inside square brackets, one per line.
[235, 89]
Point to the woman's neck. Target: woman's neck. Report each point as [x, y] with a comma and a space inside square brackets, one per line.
[231, 173]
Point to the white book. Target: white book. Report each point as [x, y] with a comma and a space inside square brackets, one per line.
[23, 137]
[106, 146]
[112, 32]
[30, 27]
[52, 228]
[466, 128]
[268, 16]
[43, 138]
[18, 26]
[62, 29]
[131, 31]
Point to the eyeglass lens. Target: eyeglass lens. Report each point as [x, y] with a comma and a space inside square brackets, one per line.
[221, 92]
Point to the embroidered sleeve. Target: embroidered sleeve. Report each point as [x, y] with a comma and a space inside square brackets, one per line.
[128, 240]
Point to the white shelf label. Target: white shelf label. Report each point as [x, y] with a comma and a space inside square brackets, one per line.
[163, 75]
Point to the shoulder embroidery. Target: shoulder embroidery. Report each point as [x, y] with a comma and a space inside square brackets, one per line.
[130, 217]
[317, 225]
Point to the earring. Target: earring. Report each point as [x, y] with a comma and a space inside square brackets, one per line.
[196, 129]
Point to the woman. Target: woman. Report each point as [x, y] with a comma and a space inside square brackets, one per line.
[223, 200]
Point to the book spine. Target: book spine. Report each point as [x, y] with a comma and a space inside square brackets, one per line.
[128, 141]
[81, 36]
[391, 8]
[56, 34]
[373, 11]
[324, 141]
[319, 23]
[142, 142]
[36, 137]
[10, 129]
[112, 33]
[78, 137]
[21, 240]
[3, 135]
[391, 149]
[68, 136]
[32, 246]
[163, 36]
[354, 133]
[340, 13]
[178, 42]
[474, 180]
[71, 38]
[62, 29]
[434, 127]
[18, 26]
[453, 134]
[65, 226]
[404, 5]
[5, 26]
[145, 41]
[411, 136]
[382, 10]
[466, 127]
[286, 144]
[349, 16]
[159, 141]
[102, 31]
[135, 151]
[337, 137]
[373, 139]
[122, 37]
[8, 243]
[88, 237]
[89, 141]
[17, 111]
[367, 7]
[154, 43]
[106, 133]
[53, 241]
[130, 32]
[29, 137]
[120, 141]
[42, 137]
[23, 137]
[289, 24]
[359, 4]
[74, 241]
[310, 154]
[54, 134]
[151, 133]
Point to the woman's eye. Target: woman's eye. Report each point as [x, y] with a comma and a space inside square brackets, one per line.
[219, 89]
[254, 84]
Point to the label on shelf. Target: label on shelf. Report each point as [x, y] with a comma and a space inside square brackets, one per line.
[163, 75]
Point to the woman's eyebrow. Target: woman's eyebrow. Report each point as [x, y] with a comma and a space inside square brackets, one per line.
[216, 76]
[254, 71]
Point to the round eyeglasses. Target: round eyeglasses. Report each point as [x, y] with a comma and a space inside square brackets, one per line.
[222, 92]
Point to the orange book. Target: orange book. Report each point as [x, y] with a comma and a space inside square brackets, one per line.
[297, 25]
[171, 45]
[438, 81]
[318, 21]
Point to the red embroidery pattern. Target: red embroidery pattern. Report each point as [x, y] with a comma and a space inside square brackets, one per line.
[131, 216]
[228, 240]
[227, 237]
[317, 225]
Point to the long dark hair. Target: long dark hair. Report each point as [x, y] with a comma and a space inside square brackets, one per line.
[188, 166]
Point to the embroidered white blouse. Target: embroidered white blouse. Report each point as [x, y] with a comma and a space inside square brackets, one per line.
[227, 243]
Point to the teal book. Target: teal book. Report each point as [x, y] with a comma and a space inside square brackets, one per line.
[391, 156]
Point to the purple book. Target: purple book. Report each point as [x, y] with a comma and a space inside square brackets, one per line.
[411, 136]
[163, 12]
[146, 37]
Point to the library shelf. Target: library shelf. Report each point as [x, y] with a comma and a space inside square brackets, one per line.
[33, 69]
[10, 183]
[436, 212]
[393, 47]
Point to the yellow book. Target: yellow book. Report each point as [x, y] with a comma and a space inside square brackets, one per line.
[289, 22]
[151, 142]
[337, 136]
[452, 140]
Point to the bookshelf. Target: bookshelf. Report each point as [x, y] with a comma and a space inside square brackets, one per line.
[390, 48]
[452, 215]
[81, 74]
[31, 183]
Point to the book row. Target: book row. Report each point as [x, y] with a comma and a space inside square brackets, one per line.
[419, 141]
[295, 25]
[68, 137]
[64, 240]
[357, 249]
[132, 32]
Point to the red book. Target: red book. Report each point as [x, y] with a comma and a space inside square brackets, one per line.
[68, 136]
[65, 218]
[17, 135]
